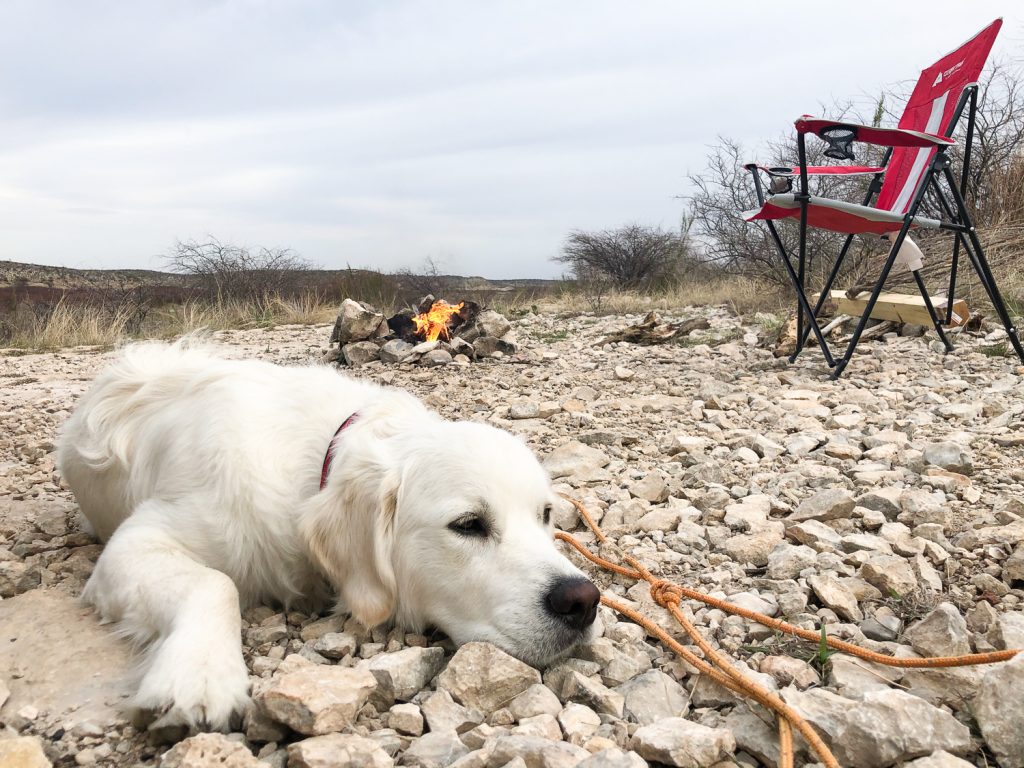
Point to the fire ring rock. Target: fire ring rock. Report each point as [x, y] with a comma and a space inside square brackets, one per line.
[487, 346]
[395, 351]
[360, 353]
[436, 357]
[488, 323]
[357, 321]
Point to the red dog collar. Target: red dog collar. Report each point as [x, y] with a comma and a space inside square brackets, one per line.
[330, 449]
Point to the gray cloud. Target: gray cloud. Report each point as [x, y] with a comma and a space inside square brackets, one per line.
[377, 134]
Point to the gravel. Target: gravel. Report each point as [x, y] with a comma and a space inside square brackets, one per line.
[887, 507]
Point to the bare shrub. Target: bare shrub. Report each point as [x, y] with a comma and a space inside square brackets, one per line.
[633, 257]
[226, 271]
[1003, 235]
[427, 279]
[126, 301]
[595, 288]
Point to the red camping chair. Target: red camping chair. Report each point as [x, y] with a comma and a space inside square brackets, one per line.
[915, 162]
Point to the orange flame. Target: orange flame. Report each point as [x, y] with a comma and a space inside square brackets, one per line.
[433, 324]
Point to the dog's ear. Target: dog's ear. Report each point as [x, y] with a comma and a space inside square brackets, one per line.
[350, 537]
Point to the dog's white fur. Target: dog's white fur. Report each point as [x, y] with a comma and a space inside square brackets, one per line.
[203, 475]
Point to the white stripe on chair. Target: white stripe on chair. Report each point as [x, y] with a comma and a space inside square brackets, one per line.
[917, 169]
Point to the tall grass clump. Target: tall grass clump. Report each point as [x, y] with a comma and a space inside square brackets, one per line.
[66, 324]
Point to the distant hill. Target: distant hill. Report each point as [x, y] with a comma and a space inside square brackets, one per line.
[13, 273]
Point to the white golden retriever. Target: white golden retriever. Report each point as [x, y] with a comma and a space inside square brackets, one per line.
[204, 476]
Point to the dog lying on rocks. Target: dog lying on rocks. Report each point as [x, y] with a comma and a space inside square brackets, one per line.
[218, 484]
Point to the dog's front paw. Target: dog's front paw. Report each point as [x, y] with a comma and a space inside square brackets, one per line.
[194, 685]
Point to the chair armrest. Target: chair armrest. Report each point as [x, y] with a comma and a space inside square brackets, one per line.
[816, 170]
[867, 134]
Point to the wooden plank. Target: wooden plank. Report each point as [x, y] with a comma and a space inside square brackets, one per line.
[900, 307]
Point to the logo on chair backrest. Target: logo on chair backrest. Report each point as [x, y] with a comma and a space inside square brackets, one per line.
[947, 73]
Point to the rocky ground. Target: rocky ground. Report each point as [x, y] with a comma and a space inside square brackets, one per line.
[886, 507]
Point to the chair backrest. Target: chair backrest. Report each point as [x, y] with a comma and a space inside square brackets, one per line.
[931, 109]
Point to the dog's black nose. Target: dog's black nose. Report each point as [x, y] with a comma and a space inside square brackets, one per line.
[574, 600]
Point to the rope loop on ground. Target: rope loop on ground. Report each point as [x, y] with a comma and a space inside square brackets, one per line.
[713, 664]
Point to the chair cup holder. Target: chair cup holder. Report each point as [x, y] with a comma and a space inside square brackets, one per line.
[840, 140]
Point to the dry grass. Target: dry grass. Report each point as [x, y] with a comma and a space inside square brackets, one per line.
[67, 324]
[1011, 285]
[193, 315]
[742, 295]
[308, 309]
[70, 324]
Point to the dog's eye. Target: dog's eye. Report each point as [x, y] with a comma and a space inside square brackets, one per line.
[469, 525]
[547, 514]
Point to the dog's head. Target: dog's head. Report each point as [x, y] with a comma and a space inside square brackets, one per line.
[454, 532]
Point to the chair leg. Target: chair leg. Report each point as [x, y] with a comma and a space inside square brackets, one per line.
[823, 297]
[855, 339]
[952, 280]
[931, 310]
[804, 199]
[801, 298]
[806, 308]
[873, 189]
[981, 268]
[959, 240]
[800, 278]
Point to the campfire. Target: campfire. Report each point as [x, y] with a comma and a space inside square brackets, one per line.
[433, 324]
[434, 332]
[436, 320]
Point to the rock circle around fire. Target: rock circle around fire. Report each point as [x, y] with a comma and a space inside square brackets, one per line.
[464, 332]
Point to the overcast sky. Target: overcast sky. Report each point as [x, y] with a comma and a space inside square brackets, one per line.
[376, 134]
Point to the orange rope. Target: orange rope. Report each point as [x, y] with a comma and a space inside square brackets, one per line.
[669, 595]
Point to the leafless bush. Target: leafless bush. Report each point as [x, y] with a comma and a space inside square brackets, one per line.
[1003, 234]
[121, 298]
[631, 257]
[995, 187]
[226, 271]
[427, 279]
